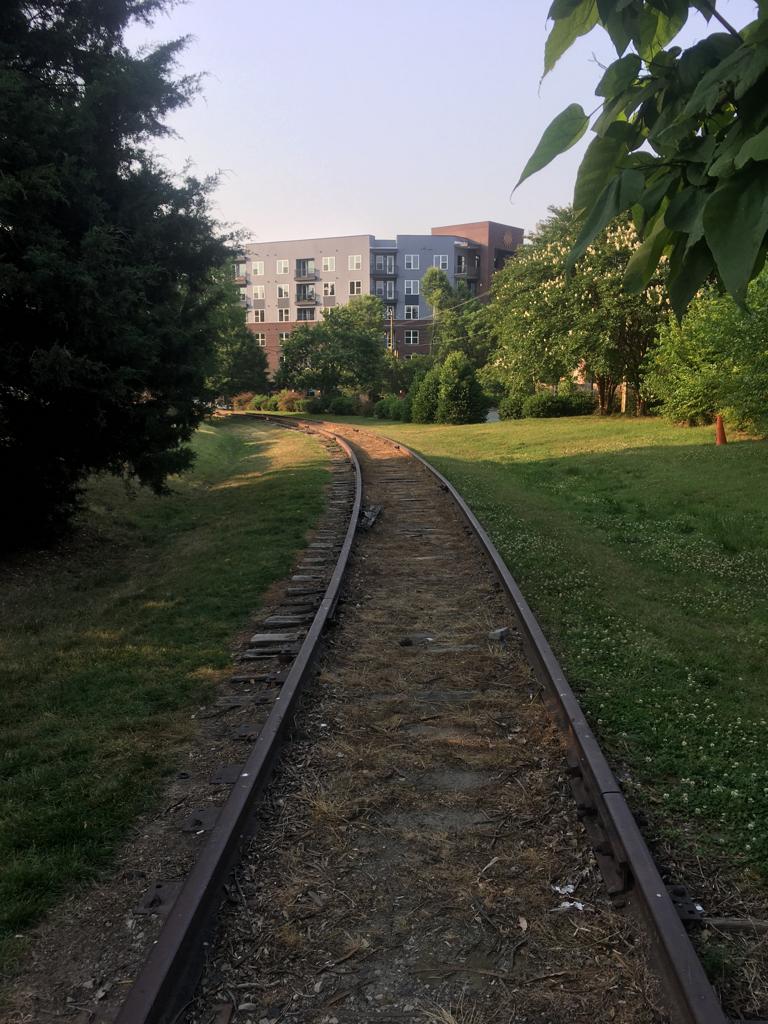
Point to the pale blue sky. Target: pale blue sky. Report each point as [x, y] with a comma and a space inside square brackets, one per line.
[333, 117]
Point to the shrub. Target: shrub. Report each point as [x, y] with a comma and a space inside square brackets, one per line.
[343, 405]
[543, 405]
[381, 409]
[242, 401]
[460, 397]
[259, 402]
[287, 400]
[365, 407]
[511, 407]
[580, 403]
[303, 405]
[425, 396]
[316, 405]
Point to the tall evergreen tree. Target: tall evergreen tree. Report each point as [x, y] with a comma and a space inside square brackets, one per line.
[106, 261]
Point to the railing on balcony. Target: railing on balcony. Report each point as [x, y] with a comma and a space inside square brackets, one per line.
[239, 279]
[306, 298]
[385, 296]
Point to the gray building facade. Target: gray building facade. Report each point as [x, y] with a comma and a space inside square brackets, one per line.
[283, 284]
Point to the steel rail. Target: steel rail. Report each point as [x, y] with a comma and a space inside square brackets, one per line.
[170, 972]
[625, 860]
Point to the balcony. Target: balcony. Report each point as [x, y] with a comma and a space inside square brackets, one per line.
[379, 272]
[468, 272]
[240, 280]
[307, 276]
[384, 295]
[307, 299]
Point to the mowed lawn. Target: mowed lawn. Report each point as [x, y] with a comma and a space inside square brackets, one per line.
[643, 549]
[107, 643]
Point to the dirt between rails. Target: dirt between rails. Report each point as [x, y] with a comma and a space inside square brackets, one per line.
[420, 858]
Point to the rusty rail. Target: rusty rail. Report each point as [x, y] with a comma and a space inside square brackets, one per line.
[173, 966]
[632, 878]
[626, 862]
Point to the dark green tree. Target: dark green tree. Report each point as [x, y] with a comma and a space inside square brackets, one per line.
[681, 140]
[105, 260]
[345, 349]
[459, 323]
[426, 392]
[460, 398]
[241, 365]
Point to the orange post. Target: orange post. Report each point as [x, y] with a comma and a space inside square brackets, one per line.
[720, 437]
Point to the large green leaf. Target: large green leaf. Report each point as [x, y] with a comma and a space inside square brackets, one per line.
[688, 270]
[735, 223]
[562, 133]
[645, 258]
[755, 149]
[598, 165]
[566, 30]
[619, 75]
[621, 193]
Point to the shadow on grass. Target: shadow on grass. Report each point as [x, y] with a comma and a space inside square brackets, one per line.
[109, 641]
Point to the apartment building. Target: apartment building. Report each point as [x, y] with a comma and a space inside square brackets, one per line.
[283, 284]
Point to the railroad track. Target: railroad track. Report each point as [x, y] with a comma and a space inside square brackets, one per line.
[442, 666]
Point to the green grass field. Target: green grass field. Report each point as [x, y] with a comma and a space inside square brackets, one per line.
[643, 550]
[107, 643]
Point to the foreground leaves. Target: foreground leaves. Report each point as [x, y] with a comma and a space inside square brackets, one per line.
[681, 140]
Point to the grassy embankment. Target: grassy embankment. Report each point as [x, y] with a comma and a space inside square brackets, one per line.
[107, 643]
[643, 550]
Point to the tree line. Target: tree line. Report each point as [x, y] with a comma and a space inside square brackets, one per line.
[121, 325]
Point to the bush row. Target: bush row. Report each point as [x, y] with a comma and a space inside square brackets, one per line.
[448, 393]
[543, 404]
[294, 401]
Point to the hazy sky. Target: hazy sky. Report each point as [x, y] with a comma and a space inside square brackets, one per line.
[333, 117]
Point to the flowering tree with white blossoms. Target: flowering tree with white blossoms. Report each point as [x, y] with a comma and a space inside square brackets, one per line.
[551, 325]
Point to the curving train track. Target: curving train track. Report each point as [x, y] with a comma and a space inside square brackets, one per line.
[420, 849]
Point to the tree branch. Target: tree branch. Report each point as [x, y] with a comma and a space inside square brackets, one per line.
[716, 14]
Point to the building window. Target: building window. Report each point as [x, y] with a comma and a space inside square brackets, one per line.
[329, 264]
[258, 291]
[440, 261]
[239, 270]
[283, 315]
[283, 336]
[412, 287]
[305, 268]
[411, 261]
[305, 313]
[258, 268]
[260, 339]
[329, 288]
[390, 289]
[411, 337]
[411, 312]
[355, 262]
[281, 266]
[283, 291]
[355, 287]
[259, 316]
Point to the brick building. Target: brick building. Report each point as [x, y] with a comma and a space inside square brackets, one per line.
[283, 284]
